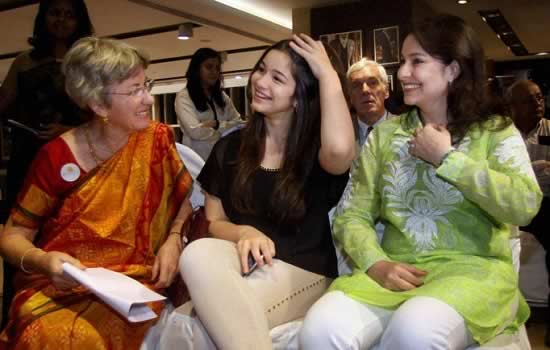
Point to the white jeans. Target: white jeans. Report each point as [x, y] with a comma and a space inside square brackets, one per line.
[338, 322]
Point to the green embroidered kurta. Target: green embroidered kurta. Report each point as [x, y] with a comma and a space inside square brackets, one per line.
[450, 221]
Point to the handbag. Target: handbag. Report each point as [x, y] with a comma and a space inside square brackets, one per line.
[194, 227]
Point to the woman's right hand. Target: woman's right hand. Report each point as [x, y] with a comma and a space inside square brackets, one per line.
[256, 243]
[314, 53]
[51, 264]
[396, 276]
[208, 124]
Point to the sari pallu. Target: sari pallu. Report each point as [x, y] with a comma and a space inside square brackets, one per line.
[116, 216]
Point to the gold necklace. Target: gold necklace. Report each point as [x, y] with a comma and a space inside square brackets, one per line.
[91, 148]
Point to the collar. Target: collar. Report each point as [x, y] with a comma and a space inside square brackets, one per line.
[364, 126]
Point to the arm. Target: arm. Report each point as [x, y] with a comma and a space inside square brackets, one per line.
[231, 118]
[165, 266]
[248, 239]
[8, 90]
[504, 185]
[337, 135]
[187, 119]
[356, 216]
[358, 210]
[17, 248]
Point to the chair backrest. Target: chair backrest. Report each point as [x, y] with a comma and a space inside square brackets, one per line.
[194, 163]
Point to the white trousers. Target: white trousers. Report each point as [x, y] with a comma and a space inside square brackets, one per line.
[338, 322]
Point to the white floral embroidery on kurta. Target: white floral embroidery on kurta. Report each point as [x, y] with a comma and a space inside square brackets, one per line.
[512, 149]
[423, 208]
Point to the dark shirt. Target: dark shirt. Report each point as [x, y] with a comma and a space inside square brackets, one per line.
[307, 244]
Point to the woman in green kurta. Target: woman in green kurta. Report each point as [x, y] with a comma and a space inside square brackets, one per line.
[446, 179]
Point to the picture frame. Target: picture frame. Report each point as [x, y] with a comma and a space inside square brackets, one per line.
[343, 49]
[386, 45]
[390, 81]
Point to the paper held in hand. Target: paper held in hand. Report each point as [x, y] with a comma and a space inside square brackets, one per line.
[125, 295]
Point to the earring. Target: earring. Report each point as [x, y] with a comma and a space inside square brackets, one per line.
[104, 119]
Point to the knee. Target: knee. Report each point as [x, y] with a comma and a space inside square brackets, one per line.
[317, 330]
[411, 335]
[324, 327]
[195, 257]
[428, 324]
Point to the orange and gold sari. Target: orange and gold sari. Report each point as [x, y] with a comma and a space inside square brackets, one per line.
[116, 216]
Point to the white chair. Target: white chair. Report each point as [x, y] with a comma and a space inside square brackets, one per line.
[533, 277]
[194, 163]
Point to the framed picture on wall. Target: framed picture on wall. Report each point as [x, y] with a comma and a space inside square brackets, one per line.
[386, 45]
[344, 49]
[390, 81]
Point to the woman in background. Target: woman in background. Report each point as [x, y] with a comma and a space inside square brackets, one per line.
[447, 179]
[110, 193]
[269, 189]
[34, 85]
[204, 111]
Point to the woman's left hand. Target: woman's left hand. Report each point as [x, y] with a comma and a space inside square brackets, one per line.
[165, 267]
[314, 53]
[430, 143]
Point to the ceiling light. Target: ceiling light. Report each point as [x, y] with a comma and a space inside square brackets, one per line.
[462, 2]
[542, 53]
[238, 77]
[185, 31]
[264, 10]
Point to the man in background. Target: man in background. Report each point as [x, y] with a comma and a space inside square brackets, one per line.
[526, 104]
[368, 89]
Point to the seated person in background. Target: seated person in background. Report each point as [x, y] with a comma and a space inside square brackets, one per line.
[204, 110]
[368, 89]
[526, 104]
[447, 178]
[269, 188]
[104, 194]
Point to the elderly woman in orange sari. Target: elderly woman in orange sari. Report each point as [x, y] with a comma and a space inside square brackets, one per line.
[110, 193]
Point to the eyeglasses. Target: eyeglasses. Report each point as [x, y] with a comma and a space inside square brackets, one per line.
[138, 92]
[539, 98]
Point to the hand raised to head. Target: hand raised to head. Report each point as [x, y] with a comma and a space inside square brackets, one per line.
[314, 53]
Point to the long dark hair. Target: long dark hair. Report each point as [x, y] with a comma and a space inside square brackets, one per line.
[42, 42]
[301, 149]
[448, 38]
[194, 85]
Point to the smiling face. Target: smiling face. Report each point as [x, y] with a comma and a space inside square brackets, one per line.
[424, 78]
[61, 19]
[368, 93]
[273, 86]
[130, 113]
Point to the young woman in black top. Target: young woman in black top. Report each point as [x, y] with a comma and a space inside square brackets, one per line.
[269, 189]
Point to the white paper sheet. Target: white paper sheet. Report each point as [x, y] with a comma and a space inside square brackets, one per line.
[124, 294]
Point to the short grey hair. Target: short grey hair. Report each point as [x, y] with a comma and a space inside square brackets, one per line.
[93, 64]
[363, 63]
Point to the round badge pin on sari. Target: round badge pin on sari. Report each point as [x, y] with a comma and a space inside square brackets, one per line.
[70, 172]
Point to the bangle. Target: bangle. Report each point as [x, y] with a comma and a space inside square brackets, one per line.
[446, 155]
[21, 263]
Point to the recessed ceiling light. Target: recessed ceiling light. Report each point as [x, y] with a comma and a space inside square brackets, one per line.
[462, 2]
[238, 77]
[542, 53]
